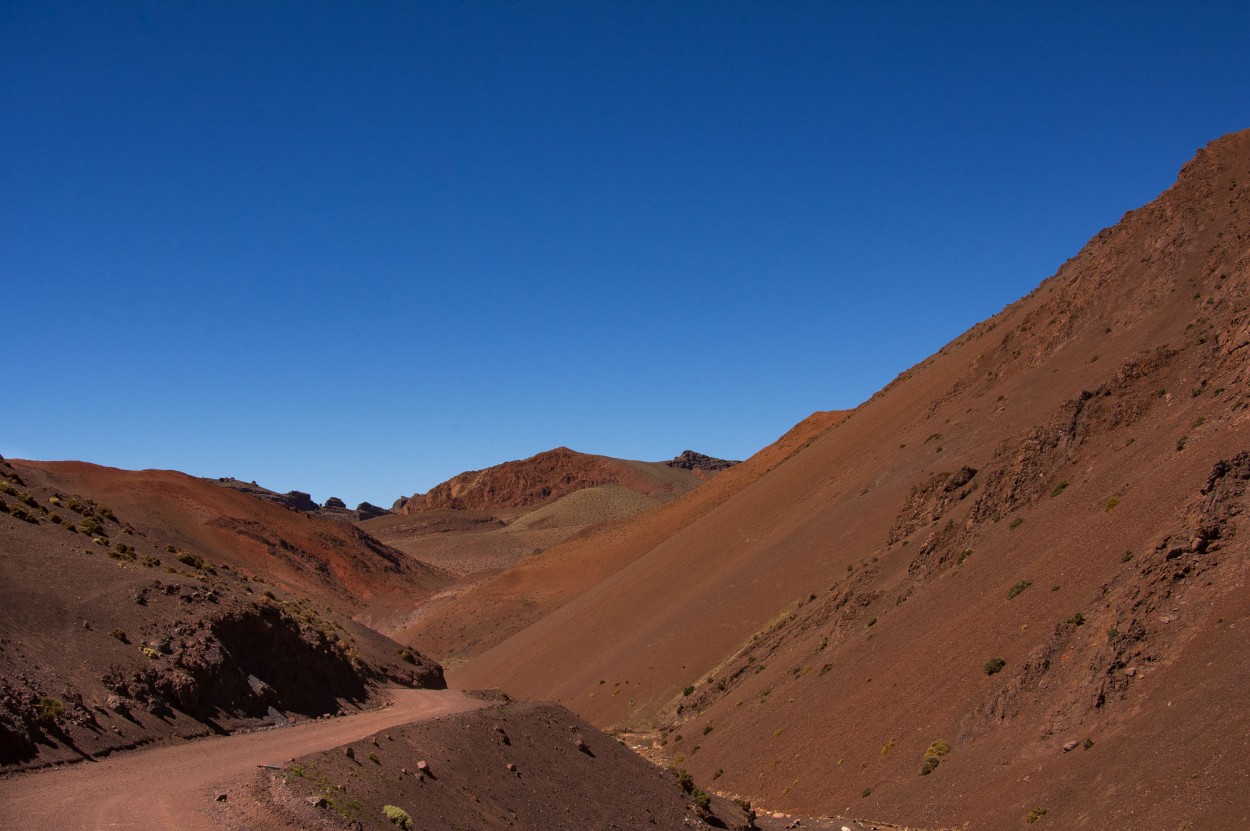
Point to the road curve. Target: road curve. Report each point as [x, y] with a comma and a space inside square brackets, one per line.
[173, 787]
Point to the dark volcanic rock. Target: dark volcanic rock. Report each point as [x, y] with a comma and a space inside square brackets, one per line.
[335, 502]
[689, 460]
[366, 510]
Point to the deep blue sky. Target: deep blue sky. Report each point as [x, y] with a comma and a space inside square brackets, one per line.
[356, 249]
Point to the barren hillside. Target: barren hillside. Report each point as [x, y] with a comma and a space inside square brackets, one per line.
[1009, 588]
[329, 561]
[112, 638]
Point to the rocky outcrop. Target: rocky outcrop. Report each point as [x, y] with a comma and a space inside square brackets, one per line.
[690, 460]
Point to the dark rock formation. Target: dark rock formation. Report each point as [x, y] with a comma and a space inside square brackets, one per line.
[689, 460]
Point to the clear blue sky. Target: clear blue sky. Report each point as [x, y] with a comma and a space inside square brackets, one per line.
[357, 248]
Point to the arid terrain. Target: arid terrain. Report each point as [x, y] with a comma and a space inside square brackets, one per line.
[1008, 590]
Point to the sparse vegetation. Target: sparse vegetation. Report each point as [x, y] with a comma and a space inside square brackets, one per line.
[1077, 619]
[1111, 503]
[1127, 556]
[1034, 815]
[887, 747]
[933, 756]
[994, 666]
[687, 691]
[120, 634]
[1113, 633]
[1059, 488]
[48, 709]
[1015, 590]
[963, 555]
[1181, 442]
[398, 816]
[1017, 522]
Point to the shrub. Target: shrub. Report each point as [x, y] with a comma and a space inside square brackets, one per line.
[1126, 556]
[1017, 522]
[688, 690]
[887, 747]
[398, 816]
[120, 634]
[1077, 619]
[91, 525]
[933, 756]
[963, 555]
[701, 800]
[1181, 442]
[1034, 815]
[47, 709]
[707, 728]
[189, 559]
[994, 666]
[1059, 488]
[1111, 503]
[685, 781]
[865, 793]
[1113, 633]
[373, 757]
[151, 562]
[1015, 590]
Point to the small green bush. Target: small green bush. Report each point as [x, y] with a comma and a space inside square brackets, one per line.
[189, 559]
[994, 666]
[685, 781]
[398, 816]
[1017, 522]
[1059, 488]
[702, 800]
[48, 709]
[1077, 619]
[1034, 815]
[1111, 503]
[1015, 590]
[688, 690]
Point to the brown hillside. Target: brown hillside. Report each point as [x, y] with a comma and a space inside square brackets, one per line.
[513, 765]
[464, 621]
[548, 476]
[329, 561]
[110, 641]
[1063, 488]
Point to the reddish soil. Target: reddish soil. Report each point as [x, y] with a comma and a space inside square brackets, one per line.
[109, 640]
[515, 765]
[548, 476]
[468, 619]
[332, 562]
[176, 787]
[1062, 488]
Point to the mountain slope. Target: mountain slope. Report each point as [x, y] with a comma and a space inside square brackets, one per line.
[326, 560]
[464, 621]
[1060, 488]
[109, 640]
[548, 476]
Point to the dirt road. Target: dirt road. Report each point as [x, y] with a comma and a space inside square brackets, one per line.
[173, 787]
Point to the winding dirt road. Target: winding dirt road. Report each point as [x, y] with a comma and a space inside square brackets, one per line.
[173, 787]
